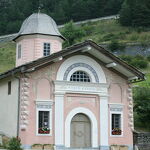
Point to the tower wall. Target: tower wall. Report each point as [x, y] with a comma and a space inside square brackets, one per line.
[32, 47]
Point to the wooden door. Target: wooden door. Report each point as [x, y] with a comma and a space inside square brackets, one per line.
[80, 131]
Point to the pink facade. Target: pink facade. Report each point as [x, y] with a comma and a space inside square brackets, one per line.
[79, 99]
[42, 88]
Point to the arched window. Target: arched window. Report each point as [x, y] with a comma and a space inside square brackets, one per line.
[80, 76]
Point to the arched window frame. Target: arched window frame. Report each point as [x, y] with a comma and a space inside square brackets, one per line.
[86, 70]
[96, 69]
[82, 72]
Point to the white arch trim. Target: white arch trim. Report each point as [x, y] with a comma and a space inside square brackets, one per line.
[81, 59]
[94, 126]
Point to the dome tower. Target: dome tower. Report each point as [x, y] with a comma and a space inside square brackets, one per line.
[38, 37]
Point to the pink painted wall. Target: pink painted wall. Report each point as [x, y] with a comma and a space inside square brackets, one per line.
[32, 47]
[39, 81]
[90, 102]
[117, 94]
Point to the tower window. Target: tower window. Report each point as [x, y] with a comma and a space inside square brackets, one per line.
[9, 87]
[46, 51]
[80, 76]
[19, 51]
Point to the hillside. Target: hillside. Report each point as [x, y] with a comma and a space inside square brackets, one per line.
[102, 32]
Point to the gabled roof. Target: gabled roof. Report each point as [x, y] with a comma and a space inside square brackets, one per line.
[90, 47]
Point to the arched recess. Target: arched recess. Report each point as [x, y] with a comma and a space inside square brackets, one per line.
[84, 63]
[94, 125]
[43, 89]
[116, 93]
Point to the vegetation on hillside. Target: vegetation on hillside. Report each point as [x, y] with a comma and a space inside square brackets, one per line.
[7, 56]
[105, 32]
[13, 12]
[135, 13]
[142, 108]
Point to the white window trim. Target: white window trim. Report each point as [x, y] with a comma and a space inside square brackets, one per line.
[117, 108]
[116, 112]
[48, 103]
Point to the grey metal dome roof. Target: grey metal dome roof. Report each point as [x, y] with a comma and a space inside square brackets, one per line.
[39, 23]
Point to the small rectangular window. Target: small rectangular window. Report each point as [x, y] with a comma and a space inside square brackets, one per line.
[9, 87]
[19, 51]
[116, 124]
[43, 122]
[46, 49]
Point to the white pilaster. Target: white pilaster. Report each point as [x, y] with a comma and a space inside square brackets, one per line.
[59, 119]
[103, 120]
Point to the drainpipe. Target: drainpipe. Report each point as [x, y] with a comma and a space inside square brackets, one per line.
[18, 114]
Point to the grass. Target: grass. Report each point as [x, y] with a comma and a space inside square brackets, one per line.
[7, 56]
[107, 30]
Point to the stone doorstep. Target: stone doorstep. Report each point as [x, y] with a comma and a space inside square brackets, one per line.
[118, 147]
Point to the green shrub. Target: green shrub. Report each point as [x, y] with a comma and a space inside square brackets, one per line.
[115, 46]
[72, 33]
[136, 61]
[139, 63]
[126, 58]
[14, 144]
[141, 96]
[148, 58]
[109, 37]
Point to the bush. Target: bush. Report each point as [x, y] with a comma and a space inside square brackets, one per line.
[14, 144]
[137, 61]
[148, 58]
[71, 33]
[115, 46]
[141, 98]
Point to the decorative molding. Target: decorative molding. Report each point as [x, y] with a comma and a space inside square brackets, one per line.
[130, 107]
[24, 102]
[44, 104]
[78, 87]
[80, 65]
[116, 107]
[85, 63]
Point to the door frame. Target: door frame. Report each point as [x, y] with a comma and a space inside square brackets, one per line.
[85, 121]
[94, 125]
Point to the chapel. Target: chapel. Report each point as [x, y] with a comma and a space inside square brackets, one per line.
[71, 98]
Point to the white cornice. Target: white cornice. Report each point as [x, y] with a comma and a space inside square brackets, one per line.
[81, 87]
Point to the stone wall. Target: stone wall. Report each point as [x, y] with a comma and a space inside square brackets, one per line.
[142, 140]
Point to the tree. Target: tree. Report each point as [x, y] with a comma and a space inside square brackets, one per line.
[135, 13]
[71, 33]
[142, 107]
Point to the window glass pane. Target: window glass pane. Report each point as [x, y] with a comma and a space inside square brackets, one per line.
[80, 76]
[116, 124]
[46, 50]
[19, 51]
[43, 123]
[9, 87]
